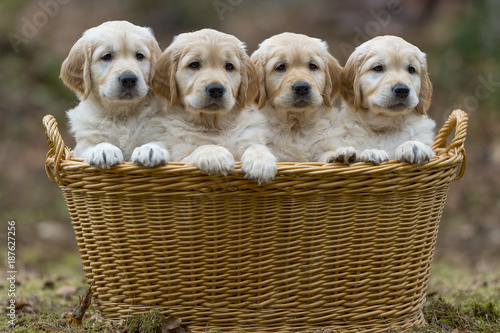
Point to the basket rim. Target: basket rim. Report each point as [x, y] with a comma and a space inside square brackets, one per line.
[60, 162]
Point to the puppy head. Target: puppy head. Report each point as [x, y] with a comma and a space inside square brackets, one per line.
[297, 71]
[388, 76]
[207, 72]
[114, 60]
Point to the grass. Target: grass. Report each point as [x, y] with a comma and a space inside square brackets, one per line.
[145, 323]
[459, 302]
[472, 316]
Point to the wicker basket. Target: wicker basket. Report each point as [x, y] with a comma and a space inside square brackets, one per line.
[324, 245]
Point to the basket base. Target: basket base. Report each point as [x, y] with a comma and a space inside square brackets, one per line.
[257, 321]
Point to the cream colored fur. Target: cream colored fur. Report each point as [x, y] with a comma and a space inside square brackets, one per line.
[212, 132]
[301, 128]
[375, 124]
[112, 121]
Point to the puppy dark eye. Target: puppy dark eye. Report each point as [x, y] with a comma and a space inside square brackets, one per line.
[194, 65]
[411, 70]
[229, 67]
[378, 68]
[281, 68]
[107, 56]
[313, 67]
[139, 56]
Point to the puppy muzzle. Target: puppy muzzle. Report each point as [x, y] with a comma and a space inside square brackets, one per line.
[301, 94]
[214, 98]
[400, 98]
[126, 86]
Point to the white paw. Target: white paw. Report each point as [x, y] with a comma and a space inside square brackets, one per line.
[150, 155]
[414, 152]
[376, 156]
[259, 163]
[212, 159]
[103, 156]
[344, 155]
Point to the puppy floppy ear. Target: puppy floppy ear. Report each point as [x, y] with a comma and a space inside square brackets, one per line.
[333, 75]
[155, 54]
[258, 59]
[164, 83]
[425, 95]
[249, 86]
[349, 86]
[75, 70]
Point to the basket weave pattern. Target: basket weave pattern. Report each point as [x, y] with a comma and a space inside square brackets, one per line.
[346, 247]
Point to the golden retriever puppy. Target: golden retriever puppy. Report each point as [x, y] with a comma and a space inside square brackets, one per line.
[300, 81]
[387, 93]
[209, 82]
[111, 68]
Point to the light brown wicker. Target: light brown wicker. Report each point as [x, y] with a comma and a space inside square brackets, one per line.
[324, 245]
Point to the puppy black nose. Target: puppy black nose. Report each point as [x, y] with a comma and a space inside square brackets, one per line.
[301, 88]
[128, 80]
[216, 90]
[401, 90]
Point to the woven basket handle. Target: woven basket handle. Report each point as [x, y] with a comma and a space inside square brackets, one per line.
[457, 120]
[57, 149]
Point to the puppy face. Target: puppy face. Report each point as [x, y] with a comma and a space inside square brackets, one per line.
[298, 72]
[387, 76]
[115, 61]
[206, 72]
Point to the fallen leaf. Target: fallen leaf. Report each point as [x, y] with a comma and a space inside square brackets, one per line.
[66, 291]
[481, 284]
[171, 323]
[21, 303]
[174, 325]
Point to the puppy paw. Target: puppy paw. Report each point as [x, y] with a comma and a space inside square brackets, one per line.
[259, 163]
[346, 155]
[414, 152]
[376, 156]
[212, 159]
[103, 155]
[150, 155]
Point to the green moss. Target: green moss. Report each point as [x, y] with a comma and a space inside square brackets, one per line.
[473, 317]
[486, 311]
[150, 322]
[441, 313]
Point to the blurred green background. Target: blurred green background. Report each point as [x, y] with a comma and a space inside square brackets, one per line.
[461, 39]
